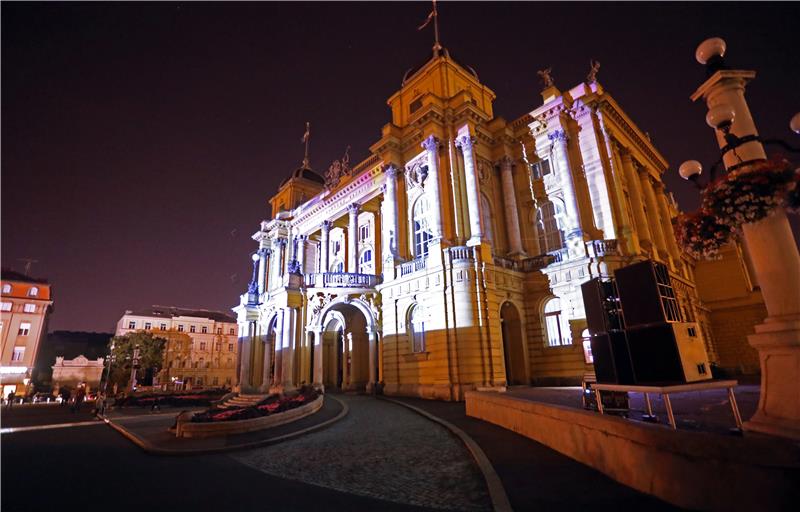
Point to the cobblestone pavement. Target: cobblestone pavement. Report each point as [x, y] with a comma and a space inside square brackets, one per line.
[384, 451]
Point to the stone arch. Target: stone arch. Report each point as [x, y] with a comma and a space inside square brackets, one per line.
[515, 353]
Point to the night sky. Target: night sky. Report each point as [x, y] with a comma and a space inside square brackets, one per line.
[141, 142]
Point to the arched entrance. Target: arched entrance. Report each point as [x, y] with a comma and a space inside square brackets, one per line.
[513, 345]
[346, 355]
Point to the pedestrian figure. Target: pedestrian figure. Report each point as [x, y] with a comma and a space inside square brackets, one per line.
[76, 404]
[10, 399]
[100, 405]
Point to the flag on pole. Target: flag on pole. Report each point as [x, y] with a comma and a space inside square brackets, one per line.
[427, 20]
[307, 134]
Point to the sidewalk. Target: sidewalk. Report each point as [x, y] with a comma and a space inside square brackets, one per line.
[536, 477]
[151, 431]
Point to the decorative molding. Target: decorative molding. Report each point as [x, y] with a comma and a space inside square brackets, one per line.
[465, 142]
[430, 144]
[558, 135]
[338, 169]
[416, 172]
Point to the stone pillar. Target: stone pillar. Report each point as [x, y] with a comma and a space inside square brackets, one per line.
[512, 215]
[246, 355]
[629, 237]
[636, 195]
[278, 374]
[289, 345]
[574, 226]
[318, 359]
[352, 238]
[431, 145]
[276, 270]
[301, 252]
[324, 250]
[473, 191]
[266, 375]
[653, 214]
[263, 264]
[390, 212]
[372, 337]
[288, 251]
[776, 262]
[666, 223]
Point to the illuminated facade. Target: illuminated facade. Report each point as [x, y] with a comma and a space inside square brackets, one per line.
[26, 304]
[201, 345]
[452, 257]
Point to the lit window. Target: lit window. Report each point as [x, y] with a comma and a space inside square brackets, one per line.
[215, 381]
[6, 288]
[191, 328]
[33, 292]
[24, 329]
[549, 235]
[416, 323]
[29, 308]
[557, 327]
[230, 347]
[233, 331]
[422, 232]
[218, 346]
[131, 325]
[163, 327]
[202, 345]
[147, 326]
[6, 306]
[365, 265]
[337, 246]
[19, 353]
[204, 329]
[219, 330]
[363, 232]
[180, 328]
[337, 267]
[540, 169]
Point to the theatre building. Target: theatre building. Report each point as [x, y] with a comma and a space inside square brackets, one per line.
[452, 257]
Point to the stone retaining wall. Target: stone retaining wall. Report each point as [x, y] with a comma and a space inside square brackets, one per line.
[693, 470]
[186, 428]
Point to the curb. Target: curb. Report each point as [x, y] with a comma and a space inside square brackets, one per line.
[497, 492]
[155, 450]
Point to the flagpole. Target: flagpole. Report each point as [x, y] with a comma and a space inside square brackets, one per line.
[436, 46]
[306, 138]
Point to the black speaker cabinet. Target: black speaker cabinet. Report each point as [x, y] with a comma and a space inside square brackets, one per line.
[646, 293]
[602, 306]
[668, 353]
[612, 360]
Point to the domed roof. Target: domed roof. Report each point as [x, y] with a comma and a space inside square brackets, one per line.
[305, 173]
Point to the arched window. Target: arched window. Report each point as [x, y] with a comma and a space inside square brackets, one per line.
[486, 217]
[422, 231]
[416, 325]
[33, 292]
[549, 235]
[6, 288]
[555, 324]
[338, 266]
[365, 263]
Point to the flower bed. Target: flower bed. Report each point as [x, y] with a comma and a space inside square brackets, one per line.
[175, 399]
[270, 405]
[743, 196]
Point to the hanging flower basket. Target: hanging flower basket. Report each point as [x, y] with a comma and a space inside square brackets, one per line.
[745, 195]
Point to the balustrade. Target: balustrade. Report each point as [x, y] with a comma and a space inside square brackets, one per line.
[412, 266]
[342, 280]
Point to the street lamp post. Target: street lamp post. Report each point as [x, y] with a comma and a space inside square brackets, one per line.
[134, 367]
[770, 244]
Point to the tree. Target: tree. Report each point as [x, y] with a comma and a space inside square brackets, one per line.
[151, 355]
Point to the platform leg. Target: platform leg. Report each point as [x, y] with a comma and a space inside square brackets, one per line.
[671, 416]
[599, 400]
[735, 408]
[649, 405]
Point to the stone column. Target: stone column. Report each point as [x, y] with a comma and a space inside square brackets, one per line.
[324, 249]
[390, 211]
[466, 143]
[575, 226]
[289, 345]
[246, 355]
[373, 353]
[636, 196]
[653, 213]
[666, 223]
[277, 375]
[512, 215]
[629, 237]
[301, 252]
[345, 355]
[266, 375]
[318, 358]
[288, 251]
[352, 238]
[431, 145]
[263, 263]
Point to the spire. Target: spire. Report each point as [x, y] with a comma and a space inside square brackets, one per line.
[306, 137]
[433, 16]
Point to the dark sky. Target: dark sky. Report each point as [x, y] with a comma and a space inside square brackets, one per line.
[141, 142]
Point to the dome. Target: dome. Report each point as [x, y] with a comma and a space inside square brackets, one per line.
[306, 174]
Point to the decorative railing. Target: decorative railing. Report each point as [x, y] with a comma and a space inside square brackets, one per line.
[342, 280]
[506, 263]
[559, 255]
[412, 266]
[460, 253]
[537, 262]
[604, 247]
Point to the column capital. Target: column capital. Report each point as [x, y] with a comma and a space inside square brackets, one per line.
[466, 142]
[326, 226]
[558, 135]
[353, 208]
[391, 170]
[431, 143]
[301, 238]
[263, 251]
[506, 163]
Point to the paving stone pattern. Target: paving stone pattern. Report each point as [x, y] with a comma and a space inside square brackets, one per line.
[384, 451]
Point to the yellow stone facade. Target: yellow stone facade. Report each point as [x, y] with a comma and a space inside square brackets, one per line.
[451, 258]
